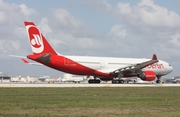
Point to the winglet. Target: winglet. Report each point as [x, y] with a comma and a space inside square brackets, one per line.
[25, 61]
[154, 57]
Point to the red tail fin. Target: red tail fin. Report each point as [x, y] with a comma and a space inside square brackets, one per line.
[38, 42]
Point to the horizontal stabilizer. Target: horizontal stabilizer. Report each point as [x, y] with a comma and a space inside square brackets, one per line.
[17, 56]
[27, 62]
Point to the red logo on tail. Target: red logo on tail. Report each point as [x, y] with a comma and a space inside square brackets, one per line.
[35, 40]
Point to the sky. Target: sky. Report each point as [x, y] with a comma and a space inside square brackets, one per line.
[111, 28]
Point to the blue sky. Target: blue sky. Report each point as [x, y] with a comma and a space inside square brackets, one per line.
[118, 28]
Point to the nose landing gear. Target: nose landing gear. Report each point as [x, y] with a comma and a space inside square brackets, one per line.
[158, 81]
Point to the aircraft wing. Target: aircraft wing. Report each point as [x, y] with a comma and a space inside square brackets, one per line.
[136, 67]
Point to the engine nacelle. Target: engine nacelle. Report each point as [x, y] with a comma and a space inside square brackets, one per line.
[147, 75]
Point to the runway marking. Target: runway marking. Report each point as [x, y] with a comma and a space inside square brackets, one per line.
[108, 85]
[12, 85]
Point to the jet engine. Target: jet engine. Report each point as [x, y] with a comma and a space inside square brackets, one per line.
[147, 75]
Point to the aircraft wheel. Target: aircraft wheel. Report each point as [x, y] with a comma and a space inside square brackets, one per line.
[158, 81]
[121, 81]
[94, 81]
[113, 81]
[91, 81]
[97, 81]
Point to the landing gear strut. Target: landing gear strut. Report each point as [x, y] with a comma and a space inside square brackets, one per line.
[117, 81]
[158, 80]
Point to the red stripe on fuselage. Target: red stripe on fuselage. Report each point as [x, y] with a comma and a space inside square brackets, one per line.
[67, 65]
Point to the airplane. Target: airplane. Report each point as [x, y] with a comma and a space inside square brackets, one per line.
[135, 80]
[175, 79]
[129, 79]
[43, 78]
[138, 80]
[18, 79]
[73, 78]
[101, 68]
[52, 80]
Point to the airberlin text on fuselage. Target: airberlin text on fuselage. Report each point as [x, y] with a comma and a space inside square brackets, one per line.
[156, 66]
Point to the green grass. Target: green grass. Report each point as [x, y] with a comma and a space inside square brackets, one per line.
[90, 102]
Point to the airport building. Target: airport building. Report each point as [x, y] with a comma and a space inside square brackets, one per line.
[4, 77]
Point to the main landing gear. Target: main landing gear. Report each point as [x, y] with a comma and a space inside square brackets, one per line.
[94, 81]
[119, 81]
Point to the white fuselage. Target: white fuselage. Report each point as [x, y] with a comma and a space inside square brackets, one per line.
[109, 64]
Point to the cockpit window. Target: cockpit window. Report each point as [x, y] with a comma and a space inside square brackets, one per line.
[169, 65]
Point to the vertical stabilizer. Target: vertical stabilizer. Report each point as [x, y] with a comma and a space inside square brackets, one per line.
[38, 42]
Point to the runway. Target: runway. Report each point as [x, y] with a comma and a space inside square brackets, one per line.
[84, 85]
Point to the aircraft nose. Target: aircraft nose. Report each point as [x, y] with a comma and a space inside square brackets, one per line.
[170, 69]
